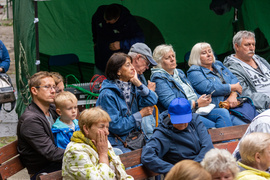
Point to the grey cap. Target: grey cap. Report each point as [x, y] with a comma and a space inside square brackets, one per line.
[143, 49]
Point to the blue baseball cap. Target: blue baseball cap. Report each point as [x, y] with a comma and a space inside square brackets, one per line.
[180, 111]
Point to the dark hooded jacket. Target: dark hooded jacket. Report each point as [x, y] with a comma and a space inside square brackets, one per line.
[169, 145]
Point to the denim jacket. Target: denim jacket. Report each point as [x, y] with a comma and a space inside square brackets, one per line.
[167, 88]
[123, 119]
[204, 81]
[4, 57]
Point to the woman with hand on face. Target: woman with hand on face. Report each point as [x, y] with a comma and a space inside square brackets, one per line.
[122, 95]
[172, 83]
[206, 74]
[89, 155]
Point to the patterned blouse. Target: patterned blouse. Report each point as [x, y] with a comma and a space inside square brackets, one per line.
[81, 161]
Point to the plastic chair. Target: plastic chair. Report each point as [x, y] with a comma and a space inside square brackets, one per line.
[64, 60]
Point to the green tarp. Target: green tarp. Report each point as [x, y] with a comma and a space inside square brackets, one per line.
[65, 27]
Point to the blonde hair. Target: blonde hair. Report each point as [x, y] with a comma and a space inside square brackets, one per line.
[195, 54]
[188, 170]
[91, 116]
[219, 160]
[63, 97]
[57, 78]
[160, 51]
[251, 144]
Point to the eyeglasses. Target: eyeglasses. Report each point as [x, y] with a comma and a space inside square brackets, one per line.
[146, 60]
[46, 87]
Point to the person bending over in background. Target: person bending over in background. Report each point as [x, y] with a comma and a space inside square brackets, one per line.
[114, 30]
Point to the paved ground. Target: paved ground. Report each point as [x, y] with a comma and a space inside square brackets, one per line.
[8, 121]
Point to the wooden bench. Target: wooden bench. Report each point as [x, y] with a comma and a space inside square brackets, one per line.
[219, 135]
[11, 164]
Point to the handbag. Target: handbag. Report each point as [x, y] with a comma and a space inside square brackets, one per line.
[205, 110]
[7, 94]
[135, 140]
[245, 110]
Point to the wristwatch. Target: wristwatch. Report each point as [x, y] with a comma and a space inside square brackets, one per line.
[196, 104]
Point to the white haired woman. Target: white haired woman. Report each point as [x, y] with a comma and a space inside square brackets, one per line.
[207, 74]
[220, 164]
[172, 83]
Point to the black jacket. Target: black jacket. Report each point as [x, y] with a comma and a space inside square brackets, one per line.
[36, 144]
[126, 30]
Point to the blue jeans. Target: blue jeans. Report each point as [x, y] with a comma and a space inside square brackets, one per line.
[122, 148]
[218, 118]
[236, 121]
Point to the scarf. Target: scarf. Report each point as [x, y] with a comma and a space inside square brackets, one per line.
[125, 87]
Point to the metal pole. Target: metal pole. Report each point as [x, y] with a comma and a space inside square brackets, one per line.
[37, 40]
[7, 10]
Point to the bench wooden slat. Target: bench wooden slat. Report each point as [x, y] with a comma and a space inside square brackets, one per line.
[131, 158]
[8, 151]
[140, 173]
[230, 146]
[227, 133]
[10, 167]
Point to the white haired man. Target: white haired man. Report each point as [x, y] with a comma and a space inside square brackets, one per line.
[252, 71]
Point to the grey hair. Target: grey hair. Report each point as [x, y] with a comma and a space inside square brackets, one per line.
[251, 144]
[238, 37]
[132, 54]
[219, 160]
[194, 58]
[159, 52]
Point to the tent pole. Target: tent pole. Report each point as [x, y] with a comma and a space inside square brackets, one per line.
[36, 32]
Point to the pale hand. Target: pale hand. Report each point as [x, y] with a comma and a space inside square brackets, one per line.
[101, 144]
[146, 111]
[151, 85]
[204, 100]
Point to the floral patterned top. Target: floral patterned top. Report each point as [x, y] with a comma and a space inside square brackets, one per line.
[81, 161]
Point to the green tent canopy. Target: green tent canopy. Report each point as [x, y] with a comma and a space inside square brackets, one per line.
[65, 27]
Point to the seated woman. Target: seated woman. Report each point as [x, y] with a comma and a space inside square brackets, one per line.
[188, 170]
[172, 83]
[122, 95]
[220, 164]
[255, 157]
[59, 82]
[180, 135]
[207, 74]
[89, 155]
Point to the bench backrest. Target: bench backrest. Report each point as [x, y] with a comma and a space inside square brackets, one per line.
[128, 159]
[227, 133]
[10, 162]
[141, 172]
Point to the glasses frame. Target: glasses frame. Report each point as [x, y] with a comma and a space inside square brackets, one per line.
[147, 61]
[47, 87]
